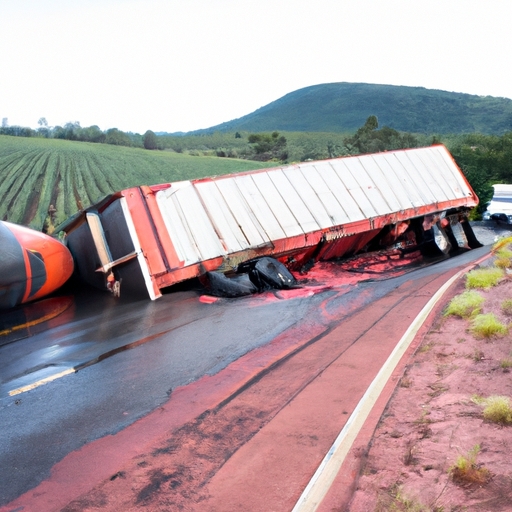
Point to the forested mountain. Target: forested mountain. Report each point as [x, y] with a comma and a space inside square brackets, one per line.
[344, 107]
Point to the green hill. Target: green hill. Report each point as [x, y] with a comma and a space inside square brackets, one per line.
[36, 173]
[342, 107]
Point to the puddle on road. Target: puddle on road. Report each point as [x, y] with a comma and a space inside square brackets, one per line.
[17, 323]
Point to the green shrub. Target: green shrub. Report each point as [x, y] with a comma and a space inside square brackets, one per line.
[484, 278]
[487, 325]
[465, 305]
[498, 410]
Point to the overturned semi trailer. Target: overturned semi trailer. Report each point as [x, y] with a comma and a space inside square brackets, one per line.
[151, 237]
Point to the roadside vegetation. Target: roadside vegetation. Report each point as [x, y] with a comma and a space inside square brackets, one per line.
[466, 470]
[465, 305]
[484, 278]
[498, 409]
[469, 304]
[455, 454]
[506, 307]
[487, 325]
[398, 501]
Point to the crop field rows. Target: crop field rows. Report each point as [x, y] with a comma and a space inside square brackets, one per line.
[36, 174]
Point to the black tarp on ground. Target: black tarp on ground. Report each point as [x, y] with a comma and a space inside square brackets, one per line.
[220, 285]
[268, 273]
[253, 276]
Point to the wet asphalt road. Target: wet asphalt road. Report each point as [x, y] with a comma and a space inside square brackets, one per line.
[179, 340]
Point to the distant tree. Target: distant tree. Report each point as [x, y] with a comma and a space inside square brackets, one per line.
[363, 140]
[43, 130]
[334, 150]
[368, 139]
[58, 132]
[5, 122]
[150, 140]
[92, 134]
[117, 138]
[485, 161]
[71, 130]
[268, 146]
[237, 135]
[408, 140]
[372, 123]
[308, 150]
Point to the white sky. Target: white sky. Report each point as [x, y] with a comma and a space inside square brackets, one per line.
[180, 65]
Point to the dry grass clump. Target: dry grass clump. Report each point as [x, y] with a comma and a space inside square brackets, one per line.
[467, 471]
[498, 409]
[477, 355]
[505, 364]
[504, 252]
[502, 244]
[477, 399]
[484, 278]
[487, 325]
[397, 501]
[506, 307]
[465, 305]
[502, 262]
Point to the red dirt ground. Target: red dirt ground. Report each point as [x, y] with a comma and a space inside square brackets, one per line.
[431, 420]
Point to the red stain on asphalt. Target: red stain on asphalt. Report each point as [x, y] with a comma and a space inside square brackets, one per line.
[325, 275]
[251, 435]
[208, 299]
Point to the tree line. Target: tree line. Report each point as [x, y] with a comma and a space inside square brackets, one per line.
[484, 159]
[73, 131]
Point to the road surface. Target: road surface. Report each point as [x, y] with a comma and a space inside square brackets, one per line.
[75, 383]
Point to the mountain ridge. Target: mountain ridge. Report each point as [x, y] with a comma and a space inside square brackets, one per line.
[345, 106]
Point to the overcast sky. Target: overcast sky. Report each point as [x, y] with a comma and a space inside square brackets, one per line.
[180, 65]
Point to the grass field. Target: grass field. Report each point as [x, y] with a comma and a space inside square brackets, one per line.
[36, 173]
